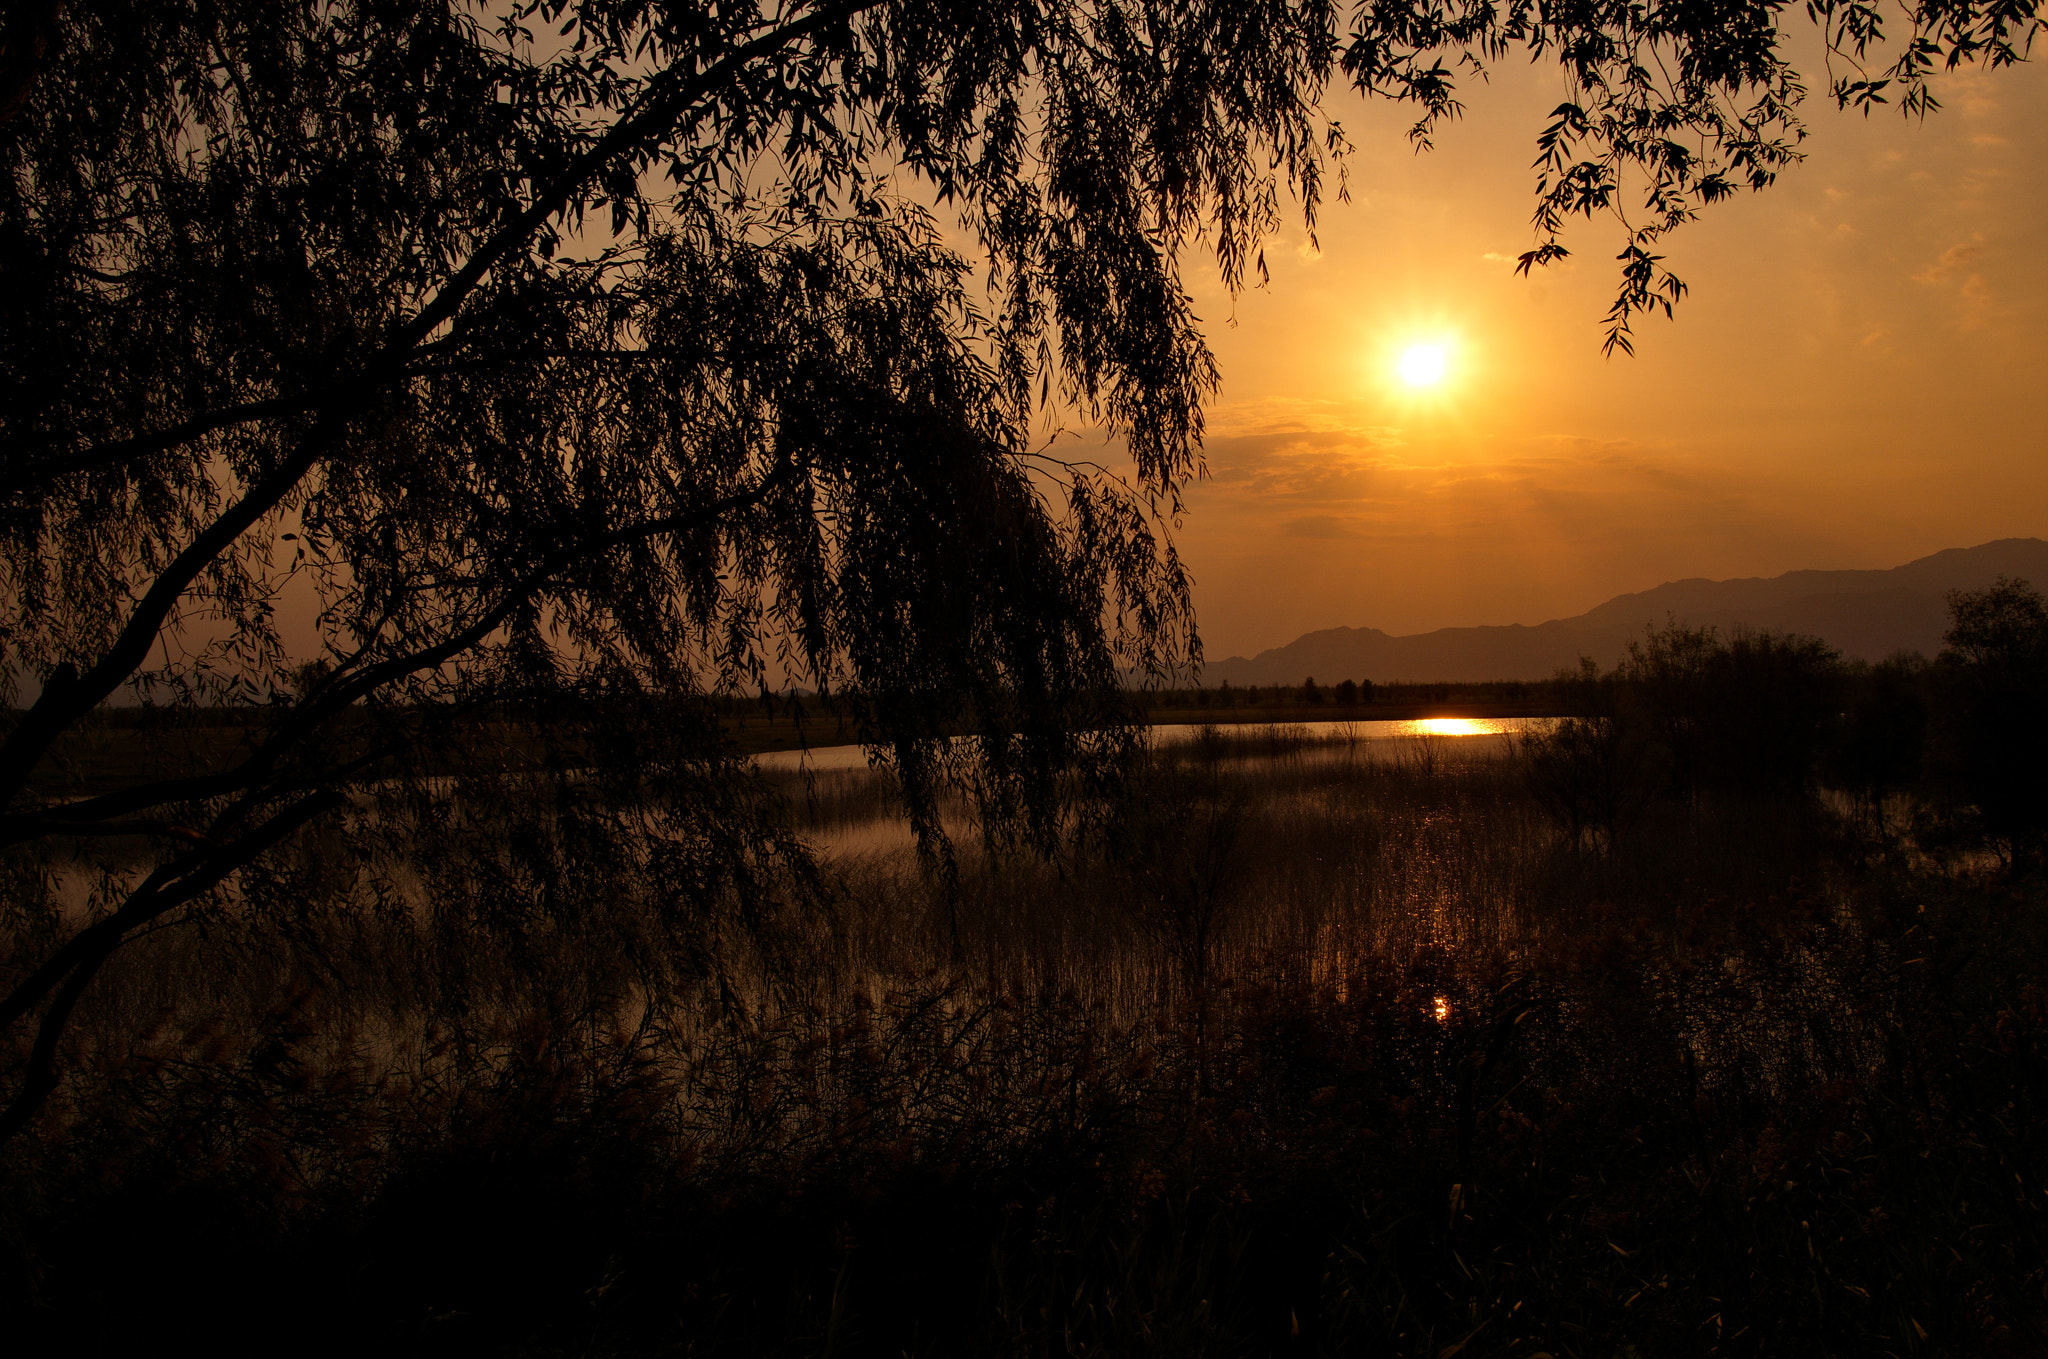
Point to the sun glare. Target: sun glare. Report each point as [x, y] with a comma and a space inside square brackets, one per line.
[1424, 365]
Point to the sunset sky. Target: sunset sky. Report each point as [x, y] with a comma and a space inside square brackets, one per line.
[1856, 379]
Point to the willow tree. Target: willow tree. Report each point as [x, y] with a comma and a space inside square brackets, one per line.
[414, 371]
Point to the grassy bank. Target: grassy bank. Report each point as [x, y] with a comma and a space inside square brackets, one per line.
[1326, 1048]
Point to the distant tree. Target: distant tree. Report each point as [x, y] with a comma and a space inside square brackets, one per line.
[567, 380]
[1877, 751]
[1310, 695]
[1990, 747]
[1689, 715]
[2002, 627]
[1746, 715]
[1597, 767]
[1347, 694]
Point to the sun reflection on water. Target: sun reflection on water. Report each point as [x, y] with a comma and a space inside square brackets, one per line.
[1457, 726]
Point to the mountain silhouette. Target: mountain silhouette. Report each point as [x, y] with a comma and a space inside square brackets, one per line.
[1868, 614]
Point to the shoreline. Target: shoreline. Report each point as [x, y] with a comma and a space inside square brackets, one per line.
[766, 736]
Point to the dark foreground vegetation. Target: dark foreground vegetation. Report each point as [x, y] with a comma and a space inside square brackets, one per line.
[1712, 1021]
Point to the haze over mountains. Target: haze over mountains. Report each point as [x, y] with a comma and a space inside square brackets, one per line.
[1867, 614]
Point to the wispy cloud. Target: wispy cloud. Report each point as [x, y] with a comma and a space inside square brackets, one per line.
[1952, 261]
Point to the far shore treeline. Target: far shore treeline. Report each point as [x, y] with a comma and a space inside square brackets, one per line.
[1754, 714]
[1842, 691]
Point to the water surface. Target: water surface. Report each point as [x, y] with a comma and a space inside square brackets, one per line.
[1488, 732]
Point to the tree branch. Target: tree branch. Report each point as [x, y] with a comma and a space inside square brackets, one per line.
[670, 96]
[164, 890]
[34, 478]
[33, 828]
[60, 705]
[345, 686]
[74, 964]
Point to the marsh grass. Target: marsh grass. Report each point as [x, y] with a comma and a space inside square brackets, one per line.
[1322, 1046]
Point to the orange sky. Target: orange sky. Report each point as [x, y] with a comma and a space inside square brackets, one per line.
[1857, 378]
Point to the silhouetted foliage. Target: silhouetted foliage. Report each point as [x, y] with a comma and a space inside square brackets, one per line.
[1690, 715]
[1878, 750]
[563, 381]
[1990, 746]
[1742, 716]
[1596, 768]
[1952, 751]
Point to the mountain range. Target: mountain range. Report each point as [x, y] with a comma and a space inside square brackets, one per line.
[1867, 614]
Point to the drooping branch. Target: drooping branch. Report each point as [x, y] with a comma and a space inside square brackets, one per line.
[333, 401]
[670, 97]
[70, 969]
[346, 686]
[60, 705]
[169, 887]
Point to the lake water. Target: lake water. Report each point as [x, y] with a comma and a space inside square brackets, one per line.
[1485, 733]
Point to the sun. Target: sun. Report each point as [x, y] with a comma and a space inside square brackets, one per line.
[1424, 365]
[1421, 365]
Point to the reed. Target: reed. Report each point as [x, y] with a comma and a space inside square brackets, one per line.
[1319, 1046]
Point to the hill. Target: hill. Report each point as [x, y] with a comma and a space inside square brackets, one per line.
[1868, 614]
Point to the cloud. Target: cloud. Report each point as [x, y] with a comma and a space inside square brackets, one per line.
[1951, 261]
[1297, 464]
[1297, 451]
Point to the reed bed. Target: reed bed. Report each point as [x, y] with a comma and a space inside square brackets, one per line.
[1315, 1046]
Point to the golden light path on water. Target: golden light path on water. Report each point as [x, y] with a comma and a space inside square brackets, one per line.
[856, 757]
[1457, 726]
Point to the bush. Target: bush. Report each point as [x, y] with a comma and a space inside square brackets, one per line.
[1990, 744]
[1746, 716]
[1877, 751]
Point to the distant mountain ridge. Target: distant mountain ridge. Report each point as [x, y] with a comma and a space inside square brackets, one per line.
[1868, 614]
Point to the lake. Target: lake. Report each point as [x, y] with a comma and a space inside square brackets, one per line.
[1487, 734]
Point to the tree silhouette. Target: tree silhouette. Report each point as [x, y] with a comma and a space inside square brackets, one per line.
[1993, 679]
[568, 361]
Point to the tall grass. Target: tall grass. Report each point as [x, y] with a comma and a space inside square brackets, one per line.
[1317, 1046]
